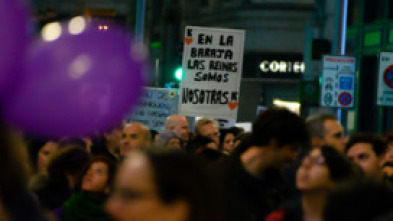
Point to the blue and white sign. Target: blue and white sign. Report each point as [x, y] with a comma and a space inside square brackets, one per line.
[338, 81]
[155, 105]
[385, 79]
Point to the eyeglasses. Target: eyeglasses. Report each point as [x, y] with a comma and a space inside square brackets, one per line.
[314, 160]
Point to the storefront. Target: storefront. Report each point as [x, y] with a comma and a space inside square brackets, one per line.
[270, 79]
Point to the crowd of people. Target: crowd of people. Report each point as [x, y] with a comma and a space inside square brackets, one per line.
[287, 168]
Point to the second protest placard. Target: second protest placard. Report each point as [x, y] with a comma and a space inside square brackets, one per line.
[212, 64]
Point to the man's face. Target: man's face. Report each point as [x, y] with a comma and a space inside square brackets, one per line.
[210, 130]
[182, 128]
[133, 138]
[334, 135]
[364, 156]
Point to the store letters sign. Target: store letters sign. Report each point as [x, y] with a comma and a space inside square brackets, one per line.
[212, 63]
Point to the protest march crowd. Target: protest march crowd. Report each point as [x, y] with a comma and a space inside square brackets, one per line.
[287, 168]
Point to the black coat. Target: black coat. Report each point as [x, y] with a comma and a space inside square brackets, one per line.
[252, 198]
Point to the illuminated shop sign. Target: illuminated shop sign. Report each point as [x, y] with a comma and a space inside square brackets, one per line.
[274, 66]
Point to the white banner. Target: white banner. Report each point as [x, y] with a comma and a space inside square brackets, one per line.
[212, 64]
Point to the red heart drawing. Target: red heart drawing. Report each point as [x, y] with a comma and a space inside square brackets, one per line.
[188, 40]
[232, 105]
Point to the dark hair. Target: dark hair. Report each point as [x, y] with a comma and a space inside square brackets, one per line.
[109, 163]
[179, 175]
[315, 124]
[280, 124]
[388, 136]
[242, 136]
[340, 168]
[379, 147]
[197, 142]
[67, 160]
[34, 145]
[360, 201]
[15, 200]
[66, 142]
[13, 174]
[223, 133]
[153, 134]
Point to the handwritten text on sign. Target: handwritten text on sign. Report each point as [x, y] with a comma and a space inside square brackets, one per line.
[212, 63]
[155, 105]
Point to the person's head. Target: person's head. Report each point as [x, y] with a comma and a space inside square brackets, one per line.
[113, 138]
[387, 169]
[322, 169]
[324, 129]
[135, 136]
[14, 164]
[158, 186]
[281, 133]
[207, 128]
[170, 139]
[199, 143]
[98, 175]
[388, 139]
[367, 151]
[240, 138]
[153, 136]
[179, 124]
[361, 201]
[227, 139]
[40, 152]
[66, 166]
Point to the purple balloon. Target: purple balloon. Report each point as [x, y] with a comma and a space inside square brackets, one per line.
[78, 84]
[13, 43]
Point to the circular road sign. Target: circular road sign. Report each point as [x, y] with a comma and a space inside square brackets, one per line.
[388, 76]
[345, 98]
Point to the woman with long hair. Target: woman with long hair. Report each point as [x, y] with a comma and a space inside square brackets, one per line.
[320, 171]
[88, 203]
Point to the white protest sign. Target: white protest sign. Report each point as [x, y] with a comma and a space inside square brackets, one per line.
[338, 81]
[155, 105]
[385, 79]
[212, 64]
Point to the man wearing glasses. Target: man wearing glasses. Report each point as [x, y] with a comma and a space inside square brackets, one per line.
[324, 129]
[207, 128]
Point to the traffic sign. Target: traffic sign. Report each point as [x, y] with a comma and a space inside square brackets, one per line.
[345, 98]
[388, 76]
[338, 81]
[385, 79]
